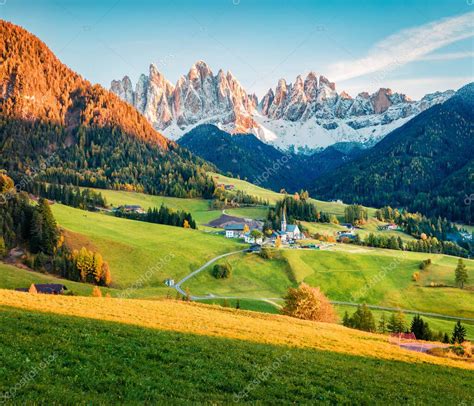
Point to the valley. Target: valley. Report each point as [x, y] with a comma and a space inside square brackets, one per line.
[211, 241]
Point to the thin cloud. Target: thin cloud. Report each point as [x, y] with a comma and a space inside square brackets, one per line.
[406, 46]
[447, 56]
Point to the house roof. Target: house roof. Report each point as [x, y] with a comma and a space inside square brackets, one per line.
[46, 288]
[291, 227]
[234, 227]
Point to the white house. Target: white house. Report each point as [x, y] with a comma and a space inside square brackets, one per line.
[251, 240]
[234, 230]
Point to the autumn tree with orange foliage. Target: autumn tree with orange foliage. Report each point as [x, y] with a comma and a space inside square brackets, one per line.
[308, 303]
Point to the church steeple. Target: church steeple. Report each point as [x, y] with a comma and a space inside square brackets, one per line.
[283, 219]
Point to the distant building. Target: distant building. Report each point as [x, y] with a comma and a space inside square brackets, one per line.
[235, 230]
[251, 240]
[287, 232]
[47, 288]
[294, 232]
[131, 208]
[169, 282]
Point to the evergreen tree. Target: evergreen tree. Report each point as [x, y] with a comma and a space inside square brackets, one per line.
[459, 333]
[382, 327]
[461, 274]
[363, 319]
[420, 328]
[397, 323]
[346, 321]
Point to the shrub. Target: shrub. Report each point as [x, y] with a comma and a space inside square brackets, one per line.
[267, 253]
[362, 319]
[96, 292]
[415, 277]
[425, 264]
[222, 271]
[308, 303]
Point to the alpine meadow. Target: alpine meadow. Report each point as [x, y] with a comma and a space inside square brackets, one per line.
[236, 202]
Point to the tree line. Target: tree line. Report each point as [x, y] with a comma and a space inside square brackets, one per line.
[163, 215]
[33, 228]
[363, 319]
[73, 196]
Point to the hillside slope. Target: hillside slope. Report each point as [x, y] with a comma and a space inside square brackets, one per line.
[172, 351]
[245, 156]
[59, 127]
[425, 165]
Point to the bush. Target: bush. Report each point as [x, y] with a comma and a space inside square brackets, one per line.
[222, 271]
[415, 277]
[425, 264]
[267, 253]
[308, 303]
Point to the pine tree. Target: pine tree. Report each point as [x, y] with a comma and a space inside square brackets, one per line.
[459, 333]
[396, 323]
[461, 274]
[346, 321]
[32, 289]
[420, 328]
[96, 292]
[382, 327]
[237, 304]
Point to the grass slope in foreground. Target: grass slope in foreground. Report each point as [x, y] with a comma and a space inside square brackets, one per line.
[170, 351]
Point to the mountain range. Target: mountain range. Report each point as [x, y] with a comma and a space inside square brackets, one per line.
[305, 115]
[426, 165]
[247, 157]
[57, 127]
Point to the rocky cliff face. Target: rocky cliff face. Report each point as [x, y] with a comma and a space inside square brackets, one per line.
[310, 113]
[198, 97]
[306, 114]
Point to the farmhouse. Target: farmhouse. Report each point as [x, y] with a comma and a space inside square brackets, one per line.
[169, 282]
[131, 208]
[46, 288]
[235, 230]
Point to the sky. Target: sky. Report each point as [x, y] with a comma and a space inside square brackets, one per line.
[413, 47]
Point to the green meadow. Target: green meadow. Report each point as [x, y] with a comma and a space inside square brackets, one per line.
[135, 249]
[159, 366]
[344, 276]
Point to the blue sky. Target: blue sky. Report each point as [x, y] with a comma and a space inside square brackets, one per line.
[411, 46]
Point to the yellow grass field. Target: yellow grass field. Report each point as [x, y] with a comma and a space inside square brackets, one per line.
[176, 316]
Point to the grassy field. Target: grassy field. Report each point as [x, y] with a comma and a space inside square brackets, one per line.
[199, 208]
[132, 351]
[251, 189]
[344, 276]
[436, 324]
[139, 251]
[12, 277]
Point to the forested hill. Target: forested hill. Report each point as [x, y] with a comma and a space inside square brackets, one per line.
[54, 120]
[426, 165]
[244, 155]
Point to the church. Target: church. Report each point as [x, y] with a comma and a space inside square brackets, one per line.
[288, 232]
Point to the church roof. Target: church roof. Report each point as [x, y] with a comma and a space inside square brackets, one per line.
[291, 228]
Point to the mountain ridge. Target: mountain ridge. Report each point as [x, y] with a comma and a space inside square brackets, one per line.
[426, 165]
[304, 115]
[80, 133]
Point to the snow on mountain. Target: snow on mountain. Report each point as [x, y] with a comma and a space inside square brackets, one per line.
[197, 98]
[306, 114]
